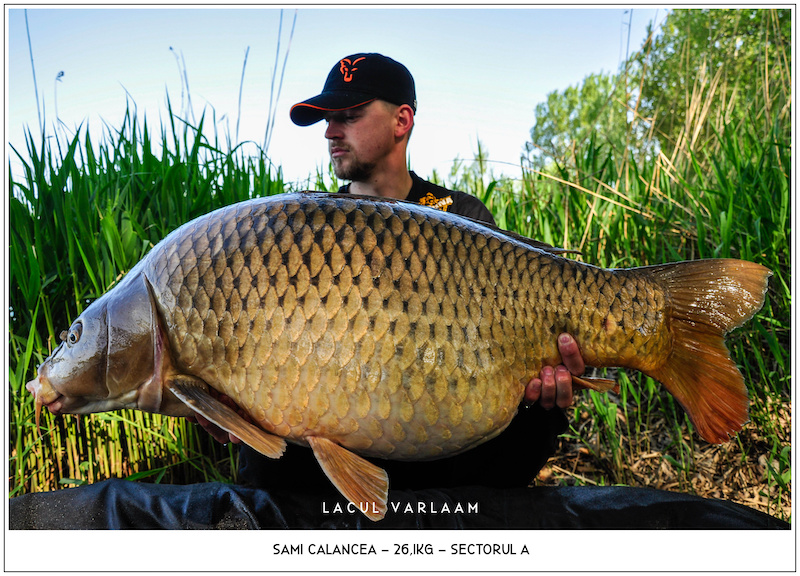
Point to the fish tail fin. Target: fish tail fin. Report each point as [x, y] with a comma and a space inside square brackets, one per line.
[708, 299]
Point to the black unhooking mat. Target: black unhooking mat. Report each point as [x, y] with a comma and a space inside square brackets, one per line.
[120, 504]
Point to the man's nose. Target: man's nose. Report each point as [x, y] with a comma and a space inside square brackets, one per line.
[333, 131]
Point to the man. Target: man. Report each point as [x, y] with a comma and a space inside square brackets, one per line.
[369, 103]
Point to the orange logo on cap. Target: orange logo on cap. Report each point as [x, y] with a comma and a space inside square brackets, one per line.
[347, 68]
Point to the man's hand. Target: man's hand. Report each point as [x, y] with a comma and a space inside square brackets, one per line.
[553, 387]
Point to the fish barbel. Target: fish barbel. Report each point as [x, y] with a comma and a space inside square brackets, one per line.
[362, 327]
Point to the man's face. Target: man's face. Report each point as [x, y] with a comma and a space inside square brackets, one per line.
[359, 139]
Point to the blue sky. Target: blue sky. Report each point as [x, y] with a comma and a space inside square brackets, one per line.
[479, 72]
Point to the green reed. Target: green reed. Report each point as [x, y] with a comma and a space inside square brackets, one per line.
[82, 214]
[728, 196]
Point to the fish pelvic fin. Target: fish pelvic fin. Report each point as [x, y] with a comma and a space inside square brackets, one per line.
[360, 481]
[708, 299]
[194, 393]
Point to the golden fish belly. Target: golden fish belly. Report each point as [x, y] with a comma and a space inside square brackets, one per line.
[393, 330]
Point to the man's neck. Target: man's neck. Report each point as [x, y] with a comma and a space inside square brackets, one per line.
[395, 185]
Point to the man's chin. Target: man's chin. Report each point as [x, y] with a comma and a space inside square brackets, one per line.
[339, 172]
[352, 172]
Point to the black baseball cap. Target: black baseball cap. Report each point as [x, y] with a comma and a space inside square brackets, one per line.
[355, 81]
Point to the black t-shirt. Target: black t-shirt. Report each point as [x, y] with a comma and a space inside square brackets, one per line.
[510, 459]
[430, 194]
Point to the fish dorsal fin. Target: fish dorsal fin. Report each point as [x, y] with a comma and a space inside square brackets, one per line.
[538, 244]
[194, 393]
[361, 482]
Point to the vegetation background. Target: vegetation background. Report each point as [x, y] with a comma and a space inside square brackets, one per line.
[684, 153]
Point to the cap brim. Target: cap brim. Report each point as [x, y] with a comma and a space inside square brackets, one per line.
[313, 110]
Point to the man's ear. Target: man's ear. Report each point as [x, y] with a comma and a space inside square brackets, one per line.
[405, 120]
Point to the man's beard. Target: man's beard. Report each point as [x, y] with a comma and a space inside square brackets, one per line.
[355, 171]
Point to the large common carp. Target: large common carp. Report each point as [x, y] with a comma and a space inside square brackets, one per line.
[385, 329]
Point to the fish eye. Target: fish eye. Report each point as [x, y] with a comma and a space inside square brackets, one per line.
[74, 334]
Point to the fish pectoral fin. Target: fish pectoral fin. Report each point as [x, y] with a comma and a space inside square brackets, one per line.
[596, 384]
[361, 482]
[194, 393]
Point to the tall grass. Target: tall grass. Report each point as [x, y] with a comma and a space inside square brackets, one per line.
[724, 196]
[83, 213]
[81, 216]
